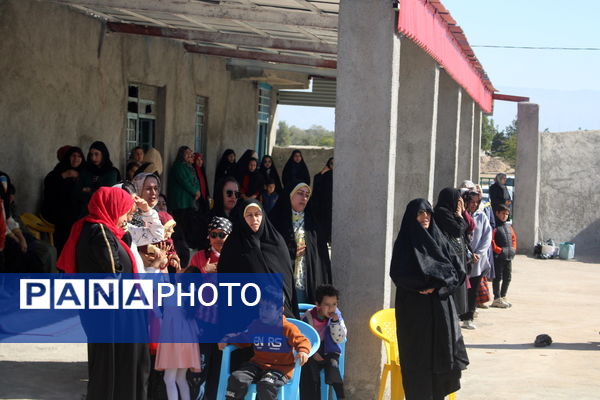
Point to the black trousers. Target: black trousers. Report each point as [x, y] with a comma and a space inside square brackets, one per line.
[310, 381]
[268, 383]
[472, 298]
[503, 269]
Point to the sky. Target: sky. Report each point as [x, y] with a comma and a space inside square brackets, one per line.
[566, 84]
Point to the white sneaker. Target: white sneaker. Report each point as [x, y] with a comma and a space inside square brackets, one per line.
[506, 301]
[499, 303]
[468, 324]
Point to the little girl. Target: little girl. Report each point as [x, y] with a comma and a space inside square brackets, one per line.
[176, 358]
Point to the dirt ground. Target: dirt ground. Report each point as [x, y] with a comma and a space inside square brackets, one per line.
[559, 298]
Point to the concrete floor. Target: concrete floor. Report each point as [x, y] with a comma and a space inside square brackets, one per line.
[560, 298]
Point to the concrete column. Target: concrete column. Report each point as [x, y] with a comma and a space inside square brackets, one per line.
[448, 128]
[417, 126]
[465, 141]
[365, 154]
[477, 118]
[527, 177]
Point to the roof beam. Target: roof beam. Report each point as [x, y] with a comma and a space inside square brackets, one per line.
[226, 38]
[248, 14]
[255, 55]
[509, 97]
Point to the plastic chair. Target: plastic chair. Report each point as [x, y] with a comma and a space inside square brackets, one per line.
[290, 390]
[37, 226]
[383, 325]
[303, 307]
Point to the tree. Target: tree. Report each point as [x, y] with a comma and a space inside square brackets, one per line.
[487, 133]
[284, 134]
[316, 135]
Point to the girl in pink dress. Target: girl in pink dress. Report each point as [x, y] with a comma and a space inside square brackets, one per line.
[176, 358]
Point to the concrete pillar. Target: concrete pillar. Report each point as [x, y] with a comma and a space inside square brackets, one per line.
[366, 125]
[465, 141]
[527, 177]
[417, 126]
[477, 118]
[448, 128]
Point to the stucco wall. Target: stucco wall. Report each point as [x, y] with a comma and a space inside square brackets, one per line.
[569, 190]
[62, 81]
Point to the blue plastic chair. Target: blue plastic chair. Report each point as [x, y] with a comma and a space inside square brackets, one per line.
[290, 390]
[303, 307]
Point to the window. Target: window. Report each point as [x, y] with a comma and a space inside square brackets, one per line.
[141, 117]
[264, 113]
[200, 138]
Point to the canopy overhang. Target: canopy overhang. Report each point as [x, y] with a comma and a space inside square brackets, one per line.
[290, 35]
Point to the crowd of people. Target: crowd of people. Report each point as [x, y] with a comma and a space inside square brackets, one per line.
[257, 221]
[442, 260]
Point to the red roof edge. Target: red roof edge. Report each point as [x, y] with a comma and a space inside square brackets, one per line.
[429, 24]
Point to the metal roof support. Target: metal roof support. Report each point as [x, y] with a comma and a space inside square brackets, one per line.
[252, 55]
[509, 97]
[247, 14]
[227, 38]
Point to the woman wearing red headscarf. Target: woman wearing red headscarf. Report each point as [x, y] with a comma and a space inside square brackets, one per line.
[116, 370]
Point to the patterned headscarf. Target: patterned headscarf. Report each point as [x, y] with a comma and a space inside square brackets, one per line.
[139, 180]
[220, 223]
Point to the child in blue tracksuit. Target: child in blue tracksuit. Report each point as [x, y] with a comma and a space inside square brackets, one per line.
[327, 320]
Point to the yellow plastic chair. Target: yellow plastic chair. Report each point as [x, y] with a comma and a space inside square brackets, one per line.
[37, 226]
[383, 325]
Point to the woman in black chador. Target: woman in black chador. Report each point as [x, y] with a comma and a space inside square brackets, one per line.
[255, 246]
[268, 170]
[448, 215]
[225, 167]
[296, 221]
[295, 170]
[426, 271]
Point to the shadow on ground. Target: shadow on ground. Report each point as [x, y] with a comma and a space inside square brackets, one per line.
[523, 346]
[43, 380]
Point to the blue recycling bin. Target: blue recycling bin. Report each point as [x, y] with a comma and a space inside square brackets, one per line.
[567, 250]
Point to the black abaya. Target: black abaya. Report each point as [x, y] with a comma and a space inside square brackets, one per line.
[61, 205]
[316, 256]
[271, 173]
[322, 200]
[454, 228]
[116, 370]
[264, 251]
[431, 347]
[294, 172]
[224, 168]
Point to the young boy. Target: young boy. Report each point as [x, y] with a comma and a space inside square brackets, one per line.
[273, 363]
[269, 196]
[327, 319]
[504, 245]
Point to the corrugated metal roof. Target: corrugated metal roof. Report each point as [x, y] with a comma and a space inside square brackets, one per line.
[323, 94]
[292, 32]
